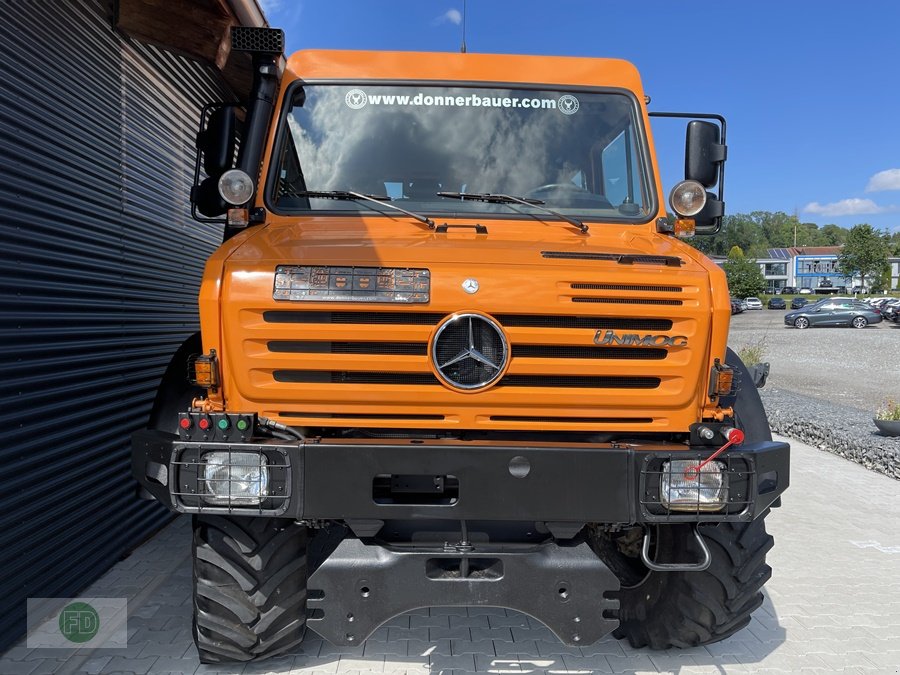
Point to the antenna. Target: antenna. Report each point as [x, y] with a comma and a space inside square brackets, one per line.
[462, 47]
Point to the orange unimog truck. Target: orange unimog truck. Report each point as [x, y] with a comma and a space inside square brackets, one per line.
[454, 352]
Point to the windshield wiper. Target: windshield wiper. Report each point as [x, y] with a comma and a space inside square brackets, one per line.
[509, 199]
[349, 195]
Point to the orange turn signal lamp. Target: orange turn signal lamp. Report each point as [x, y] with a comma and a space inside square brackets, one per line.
[721, 381]
[203, 370]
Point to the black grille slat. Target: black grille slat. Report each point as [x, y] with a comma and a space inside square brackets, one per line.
[361, 416]
[629, 301]
[622, 259]
[570, 352]
[625, 287]
[591, 322]
[324, 347]
[572, 420]
[580, 381]
[394, 318]
[366, 377]
[433, 318]
[351, 377]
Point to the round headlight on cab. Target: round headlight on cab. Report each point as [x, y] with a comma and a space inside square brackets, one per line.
[236, 187]
[687, 198]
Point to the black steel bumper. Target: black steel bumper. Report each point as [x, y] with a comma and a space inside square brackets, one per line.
[374, 480]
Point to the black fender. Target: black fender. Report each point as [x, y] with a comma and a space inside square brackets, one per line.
[749, 413]
[175, 392]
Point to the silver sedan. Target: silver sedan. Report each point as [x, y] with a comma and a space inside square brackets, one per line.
[831, 312]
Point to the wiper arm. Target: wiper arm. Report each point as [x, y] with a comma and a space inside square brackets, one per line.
[349, 195]
[509, 199]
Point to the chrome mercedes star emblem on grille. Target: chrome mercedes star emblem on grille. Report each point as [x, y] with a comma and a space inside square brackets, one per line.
[469, 351]
[470, 285]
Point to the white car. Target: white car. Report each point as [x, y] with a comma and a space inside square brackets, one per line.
[754, 303]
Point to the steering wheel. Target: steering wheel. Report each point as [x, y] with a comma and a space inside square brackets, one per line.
[555, 187]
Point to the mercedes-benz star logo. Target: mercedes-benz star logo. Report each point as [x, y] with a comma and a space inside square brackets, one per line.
[470, 285]
[469, 351]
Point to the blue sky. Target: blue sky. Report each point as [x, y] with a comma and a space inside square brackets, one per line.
[810, 89]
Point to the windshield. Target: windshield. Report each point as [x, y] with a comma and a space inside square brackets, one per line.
[580, 153]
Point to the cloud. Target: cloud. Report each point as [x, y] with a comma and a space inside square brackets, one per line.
[454, 16]
[845, 207]
[884, 180]
[269, 6]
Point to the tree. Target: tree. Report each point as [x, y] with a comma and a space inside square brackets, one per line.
[864, 254]
[745, 279]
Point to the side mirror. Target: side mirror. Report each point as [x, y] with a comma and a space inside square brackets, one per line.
[703, 153]
[217, 140]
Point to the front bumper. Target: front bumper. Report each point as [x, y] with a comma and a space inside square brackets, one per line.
[368, 480]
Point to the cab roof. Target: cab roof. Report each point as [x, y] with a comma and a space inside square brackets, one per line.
[456, 67]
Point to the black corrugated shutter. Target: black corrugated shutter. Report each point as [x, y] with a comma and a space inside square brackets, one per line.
[99, 271]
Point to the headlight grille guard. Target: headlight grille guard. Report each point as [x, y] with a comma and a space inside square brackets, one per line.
[741, 489]
[188, 482]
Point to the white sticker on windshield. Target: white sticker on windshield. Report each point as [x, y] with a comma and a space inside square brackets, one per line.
[567, 104]
[356, 99]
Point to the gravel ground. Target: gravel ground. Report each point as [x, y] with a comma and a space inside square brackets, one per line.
[850, 367]
[825, 383]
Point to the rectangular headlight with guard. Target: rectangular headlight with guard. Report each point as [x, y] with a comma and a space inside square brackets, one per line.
[235, 478]
[682, 488]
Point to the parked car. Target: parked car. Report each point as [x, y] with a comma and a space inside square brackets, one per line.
[776, 303]
[891, 311]
[788, 290]
[832, 312]
[805, 291]
[797, 303]
[736, 307]
[754, 303]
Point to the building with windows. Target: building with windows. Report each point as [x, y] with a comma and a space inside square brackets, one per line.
[812, 267]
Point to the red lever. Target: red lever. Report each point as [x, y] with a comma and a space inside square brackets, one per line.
[732, 435]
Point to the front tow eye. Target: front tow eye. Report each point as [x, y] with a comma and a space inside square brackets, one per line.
[732, 437]
[677, 567]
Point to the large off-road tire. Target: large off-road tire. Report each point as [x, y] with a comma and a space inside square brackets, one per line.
[249, 587]
[687, 609]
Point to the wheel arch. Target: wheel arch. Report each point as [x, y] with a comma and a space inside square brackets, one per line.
[175, 392]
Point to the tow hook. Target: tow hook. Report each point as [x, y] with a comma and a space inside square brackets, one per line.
[705, 560]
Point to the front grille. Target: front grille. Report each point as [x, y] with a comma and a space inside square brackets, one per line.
[401, 370]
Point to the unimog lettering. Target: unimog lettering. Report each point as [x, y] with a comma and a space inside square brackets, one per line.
[435, 446]
[610, 337]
